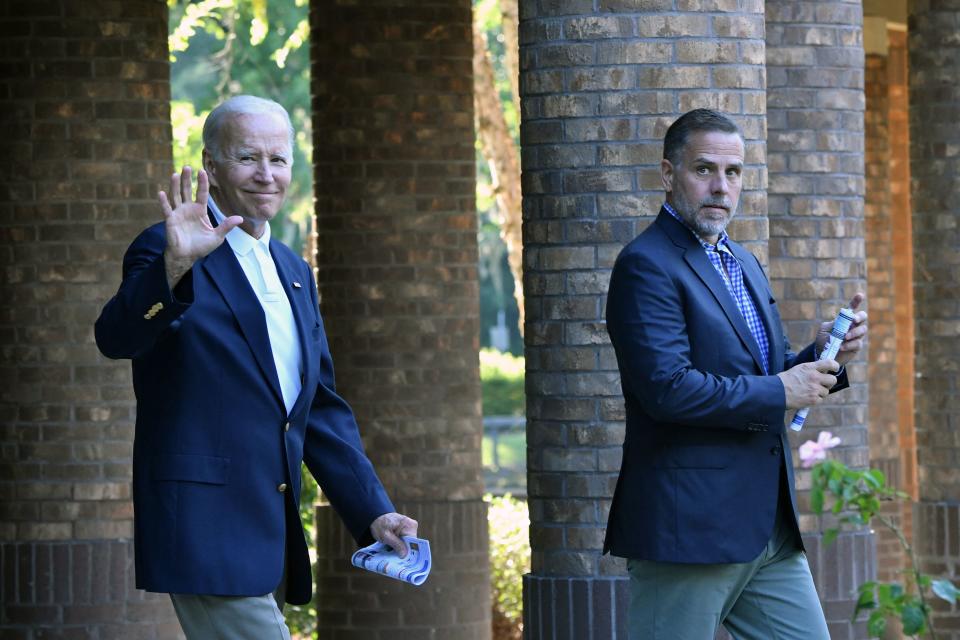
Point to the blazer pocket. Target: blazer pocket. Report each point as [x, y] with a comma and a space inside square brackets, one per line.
[190, 468]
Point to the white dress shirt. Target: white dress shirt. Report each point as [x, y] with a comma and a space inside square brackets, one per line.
[261, 271]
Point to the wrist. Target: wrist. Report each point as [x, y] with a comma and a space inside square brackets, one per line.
[175, 268]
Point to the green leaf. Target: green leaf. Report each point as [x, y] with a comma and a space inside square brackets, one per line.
[835, 485]
[896, 589]
[875, 478]
[876, 625]
[945, 590]
[259, 25]
[885, 593]
[830, 535]
[816, 499]
[866, 600]
[912, 619]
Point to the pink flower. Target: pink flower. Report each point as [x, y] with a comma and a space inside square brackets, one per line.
[811, 452]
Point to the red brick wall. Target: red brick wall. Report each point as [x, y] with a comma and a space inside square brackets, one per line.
[934, 93]
[397, 268]
[86, 127]
[902, 240]
[882, 366]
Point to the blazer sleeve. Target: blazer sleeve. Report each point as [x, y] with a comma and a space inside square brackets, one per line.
[647, 323]
[144, 306]
[334, 454]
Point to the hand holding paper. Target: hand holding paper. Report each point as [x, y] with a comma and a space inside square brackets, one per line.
[380, 558]
[840, 327]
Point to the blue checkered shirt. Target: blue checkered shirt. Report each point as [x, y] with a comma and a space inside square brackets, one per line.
[729, 269]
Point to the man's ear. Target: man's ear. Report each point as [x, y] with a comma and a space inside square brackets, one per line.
[209, 166]
[666, 174]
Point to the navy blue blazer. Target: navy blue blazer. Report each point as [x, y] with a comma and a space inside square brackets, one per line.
[213, 441]
[705, 438]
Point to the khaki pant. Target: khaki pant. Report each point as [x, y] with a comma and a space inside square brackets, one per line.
[230, 617]
[771, 598]
[233, 617]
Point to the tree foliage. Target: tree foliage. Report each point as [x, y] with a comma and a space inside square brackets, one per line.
[509, 523]
[221, 48]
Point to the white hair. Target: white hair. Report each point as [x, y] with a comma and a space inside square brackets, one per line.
[237, 106]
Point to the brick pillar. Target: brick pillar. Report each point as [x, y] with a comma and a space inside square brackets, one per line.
[600, 83]
[86, 128]
[902, 241]
[935, 163]
[882, 366]
[397, 264]
[815, 101]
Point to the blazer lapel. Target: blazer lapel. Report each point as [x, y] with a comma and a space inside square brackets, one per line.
[303, 316]
[697, 259]
[228, 276]
[756, 280]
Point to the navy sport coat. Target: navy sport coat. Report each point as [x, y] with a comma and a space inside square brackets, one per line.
[216, 458]
[705, 440]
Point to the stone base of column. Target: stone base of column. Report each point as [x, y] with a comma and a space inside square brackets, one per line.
[595, 608]
[82, 589]
[839, 568]
[454, 602]
[937, 543]
[575, 608]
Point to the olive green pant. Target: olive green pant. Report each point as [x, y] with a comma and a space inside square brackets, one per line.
[770, 598]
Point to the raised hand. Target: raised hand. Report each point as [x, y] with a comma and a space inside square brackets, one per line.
[854, 339]
[190, 235]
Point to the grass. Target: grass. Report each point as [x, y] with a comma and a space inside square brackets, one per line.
[511, 475]
[511, 451]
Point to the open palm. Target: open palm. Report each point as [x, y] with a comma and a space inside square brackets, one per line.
[190, 235]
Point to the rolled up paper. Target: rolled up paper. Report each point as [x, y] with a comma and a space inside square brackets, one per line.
[840, 327]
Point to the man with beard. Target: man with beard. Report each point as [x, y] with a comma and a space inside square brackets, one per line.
[704, 508]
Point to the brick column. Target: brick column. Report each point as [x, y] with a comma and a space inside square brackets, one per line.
[397, 266]
[86, 129]
[902, 241]
[815, 101]
[600, 83]
[882, 366]
[935, 163]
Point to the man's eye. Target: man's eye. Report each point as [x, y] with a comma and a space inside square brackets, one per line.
[279, 160]
[703, 171]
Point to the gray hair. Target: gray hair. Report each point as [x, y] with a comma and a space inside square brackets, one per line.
[237, 106]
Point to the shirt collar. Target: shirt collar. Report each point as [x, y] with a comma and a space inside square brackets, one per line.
[721, 238]
[240, 241]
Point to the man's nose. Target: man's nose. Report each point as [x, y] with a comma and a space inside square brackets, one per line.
[720, 184]
[264, 171]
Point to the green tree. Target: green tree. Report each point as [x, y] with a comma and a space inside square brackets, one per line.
[221, 48]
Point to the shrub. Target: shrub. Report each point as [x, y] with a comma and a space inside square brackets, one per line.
[501, 377]
[509, 560]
